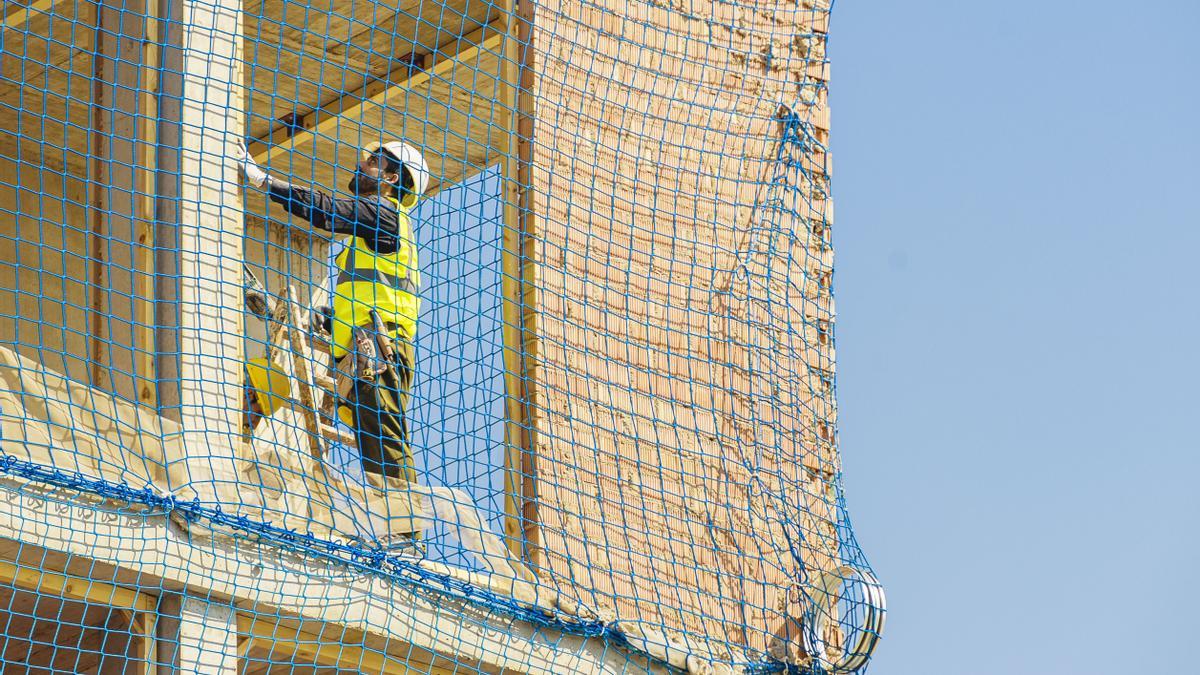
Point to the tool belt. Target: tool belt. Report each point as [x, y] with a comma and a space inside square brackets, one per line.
[371, 355]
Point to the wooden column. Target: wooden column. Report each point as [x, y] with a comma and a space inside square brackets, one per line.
[196, 636]
[199, 265]
[207, 638]
[166, 634]
[124, 121]
[521, 522]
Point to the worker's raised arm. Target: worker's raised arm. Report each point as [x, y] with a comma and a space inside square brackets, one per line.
[370, 219]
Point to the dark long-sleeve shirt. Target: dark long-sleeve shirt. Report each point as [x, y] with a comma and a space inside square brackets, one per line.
[373, 218]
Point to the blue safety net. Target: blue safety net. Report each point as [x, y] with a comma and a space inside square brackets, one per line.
[433, 336]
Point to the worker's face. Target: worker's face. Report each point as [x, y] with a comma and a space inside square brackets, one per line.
[368, 176]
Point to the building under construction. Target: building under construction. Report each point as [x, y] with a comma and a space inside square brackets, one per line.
[624, 411]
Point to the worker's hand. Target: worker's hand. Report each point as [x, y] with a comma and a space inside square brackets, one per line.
[254, 174]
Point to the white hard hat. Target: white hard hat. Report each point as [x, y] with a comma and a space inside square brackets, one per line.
[409, 157]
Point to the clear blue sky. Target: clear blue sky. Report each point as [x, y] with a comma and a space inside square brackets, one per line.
[458, 400]
[1017, 232]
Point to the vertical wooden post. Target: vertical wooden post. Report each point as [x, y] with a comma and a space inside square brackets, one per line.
[207, 638]
[519, 525]
[124, 120]
[144, 623]
[166, 634]
[199, 281]
[196, 636]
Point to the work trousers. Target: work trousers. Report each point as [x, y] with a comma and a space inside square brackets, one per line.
[377, 405]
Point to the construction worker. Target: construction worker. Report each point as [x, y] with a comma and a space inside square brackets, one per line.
[373, 322]
[267, 389]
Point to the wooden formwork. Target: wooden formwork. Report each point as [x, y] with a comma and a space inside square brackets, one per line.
[123, 234]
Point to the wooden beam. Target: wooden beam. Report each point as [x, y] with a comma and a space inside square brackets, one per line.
[521, 517]
[381, 91]
[143, 626]
[19, 15]
[263, 633]
[270, 636]
[124, 110]
[200, 243]
[45, 582]
[146, 182]
[511, 329]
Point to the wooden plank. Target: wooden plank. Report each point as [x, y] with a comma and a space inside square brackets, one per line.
[147, 208]
[520, 524]
[46, 582]
[510, 330]
[323, 121]
[274, 637]
[17, 16]
[124, 111]
[287, 346]
[301, 375]
[337, 435]
[525, 112]
[200, 240]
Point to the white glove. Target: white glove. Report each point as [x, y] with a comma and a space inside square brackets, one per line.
[254, 174]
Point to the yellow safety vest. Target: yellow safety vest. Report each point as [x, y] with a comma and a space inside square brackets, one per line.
[388, 283]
